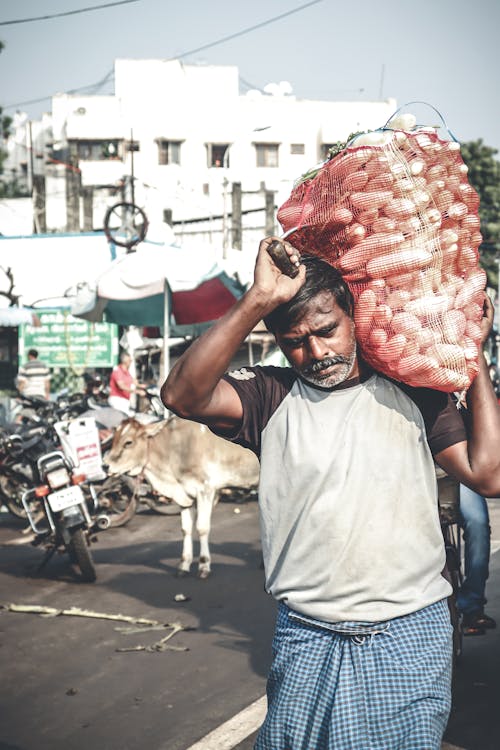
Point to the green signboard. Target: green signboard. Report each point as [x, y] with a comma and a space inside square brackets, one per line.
[64, 341]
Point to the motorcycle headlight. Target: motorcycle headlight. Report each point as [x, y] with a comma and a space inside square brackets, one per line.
[73, 513]
[58, 478]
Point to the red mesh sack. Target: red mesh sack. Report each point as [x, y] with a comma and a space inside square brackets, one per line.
[395, 213]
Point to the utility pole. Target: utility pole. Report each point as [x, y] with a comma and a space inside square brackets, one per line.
[30, 153]
[236, 227]
[270, 226]
[31, 185]
[131, 148]
[88, 208]
[39, 204]
[73, 187]
[224, 217]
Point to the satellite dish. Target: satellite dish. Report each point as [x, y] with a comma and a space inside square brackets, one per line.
[271, 88]
[285, 87]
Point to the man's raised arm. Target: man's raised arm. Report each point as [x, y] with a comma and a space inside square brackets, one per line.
[476, 463]
[194, 388]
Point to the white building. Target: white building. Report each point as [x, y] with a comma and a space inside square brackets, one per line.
[192, 136]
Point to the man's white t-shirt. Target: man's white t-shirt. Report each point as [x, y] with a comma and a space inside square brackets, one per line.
[348, 493]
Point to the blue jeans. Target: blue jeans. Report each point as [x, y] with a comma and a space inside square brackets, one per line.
[475, 522]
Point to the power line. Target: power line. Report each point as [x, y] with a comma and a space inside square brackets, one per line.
[247, 30]
[28, 101]
[94, 87]
[67, 13]
[178, 57]
[250, 85]
[90, 86]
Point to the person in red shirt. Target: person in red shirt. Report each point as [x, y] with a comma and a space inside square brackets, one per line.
[122, 385]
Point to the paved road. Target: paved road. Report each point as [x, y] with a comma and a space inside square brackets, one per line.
[475, 718]
[65, 686]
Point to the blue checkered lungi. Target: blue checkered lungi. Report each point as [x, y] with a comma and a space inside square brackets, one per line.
[359, 686]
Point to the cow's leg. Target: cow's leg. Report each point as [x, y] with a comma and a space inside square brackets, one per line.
[187, 541]
[205, 505]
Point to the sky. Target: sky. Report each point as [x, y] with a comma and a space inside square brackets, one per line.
[444, 52]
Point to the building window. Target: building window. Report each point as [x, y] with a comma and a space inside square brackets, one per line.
[169, 152]
[297, 148]
[218, 154]
[267, 154]
[98, 150]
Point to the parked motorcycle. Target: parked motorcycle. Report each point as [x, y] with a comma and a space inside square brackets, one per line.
[118, 497]
[59, 514]
[38, 427]
[18, 454]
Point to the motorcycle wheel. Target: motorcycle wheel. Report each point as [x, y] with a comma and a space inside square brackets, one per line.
[12, 492]
[81, 556]
[117, 499]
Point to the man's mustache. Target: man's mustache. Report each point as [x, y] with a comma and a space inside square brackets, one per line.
[323, 364]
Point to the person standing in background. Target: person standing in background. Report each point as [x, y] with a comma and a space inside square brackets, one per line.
[122, 385]
[33, 378]
[475, 524]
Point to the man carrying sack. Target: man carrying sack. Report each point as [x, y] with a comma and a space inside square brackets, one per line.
[352, 545]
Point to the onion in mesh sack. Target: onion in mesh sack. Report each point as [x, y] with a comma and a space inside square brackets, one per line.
[395, 213]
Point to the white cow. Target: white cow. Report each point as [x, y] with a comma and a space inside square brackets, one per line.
[185, 462]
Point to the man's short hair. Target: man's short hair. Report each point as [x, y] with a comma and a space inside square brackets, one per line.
[320, 277]
[33, 353]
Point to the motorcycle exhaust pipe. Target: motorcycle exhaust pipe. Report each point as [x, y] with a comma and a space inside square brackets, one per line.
[103, 522]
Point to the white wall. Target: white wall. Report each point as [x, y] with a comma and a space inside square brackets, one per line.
[159, 99]
[16, 217]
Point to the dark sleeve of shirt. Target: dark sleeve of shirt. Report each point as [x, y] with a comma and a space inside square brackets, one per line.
[443, 421]
[261, 390]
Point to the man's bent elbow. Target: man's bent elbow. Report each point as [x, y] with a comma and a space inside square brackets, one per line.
[170, 401]
[177, 403]
[488, 484]
[489, 489]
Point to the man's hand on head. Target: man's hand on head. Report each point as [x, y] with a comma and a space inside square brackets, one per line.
[270, 280]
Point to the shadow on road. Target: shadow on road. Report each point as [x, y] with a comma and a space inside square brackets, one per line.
[475, 717]
[230, 605]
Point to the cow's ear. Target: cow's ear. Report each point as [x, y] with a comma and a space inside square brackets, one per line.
[154, 428]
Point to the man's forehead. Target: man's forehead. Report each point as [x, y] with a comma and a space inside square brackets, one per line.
[322, 306]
